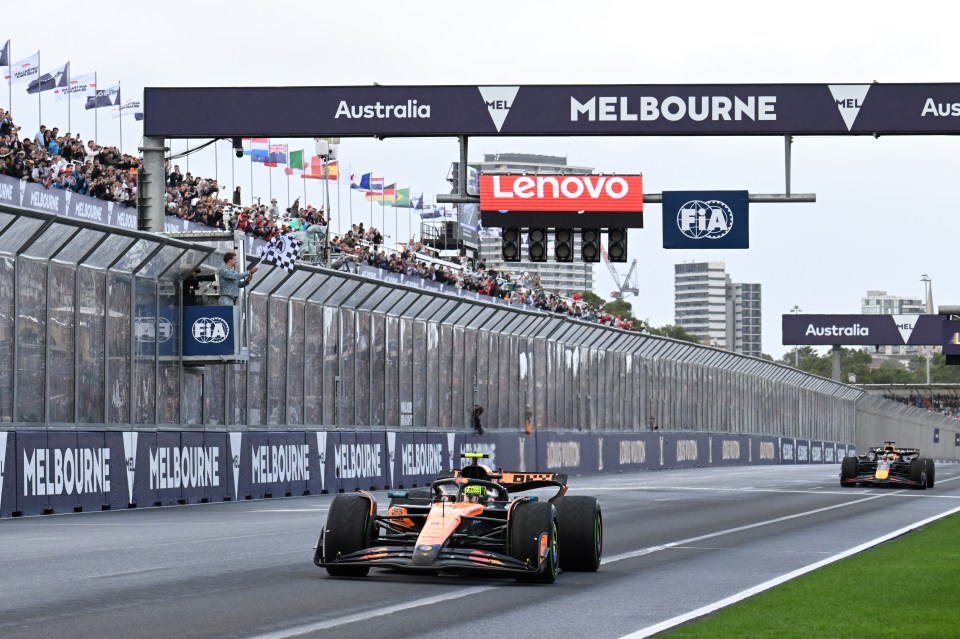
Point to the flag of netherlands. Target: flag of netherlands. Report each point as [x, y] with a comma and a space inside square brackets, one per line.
[257, 148]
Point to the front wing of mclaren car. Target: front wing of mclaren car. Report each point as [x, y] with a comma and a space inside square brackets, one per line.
[432, 558]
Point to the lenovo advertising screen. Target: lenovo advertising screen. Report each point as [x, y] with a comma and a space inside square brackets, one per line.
[863, 330]
[576, 201]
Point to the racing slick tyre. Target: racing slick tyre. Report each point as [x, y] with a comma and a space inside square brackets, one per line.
[580, 526]
[528, 523]
[918, 473]
[848, 471]
[931, 472]
[348, 530]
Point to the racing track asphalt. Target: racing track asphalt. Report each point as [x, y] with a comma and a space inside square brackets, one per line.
[675, 541]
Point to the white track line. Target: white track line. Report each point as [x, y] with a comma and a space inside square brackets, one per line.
[297, 631]
[749, 592]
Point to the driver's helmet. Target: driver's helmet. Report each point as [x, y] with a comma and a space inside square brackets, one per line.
[475, 494]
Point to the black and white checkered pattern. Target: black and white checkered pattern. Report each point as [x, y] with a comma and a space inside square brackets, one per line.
[281, 251]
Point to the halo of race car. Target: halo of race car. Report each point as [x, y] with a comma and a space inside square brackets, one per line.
[888, 465]
[467, 520]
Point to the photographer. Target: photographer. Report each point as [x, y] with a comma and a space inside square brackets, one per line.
[475, 413]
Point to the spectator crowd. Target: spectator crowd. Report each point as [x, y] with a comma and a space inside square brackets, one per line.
[67, 162]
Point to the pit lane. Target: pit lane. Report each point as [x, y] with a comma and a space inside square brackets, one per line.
[675, 542]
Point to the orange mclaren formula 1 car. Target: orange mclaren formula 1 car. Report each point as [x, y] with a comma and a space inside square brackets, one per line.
[888, 465]
[466, 520]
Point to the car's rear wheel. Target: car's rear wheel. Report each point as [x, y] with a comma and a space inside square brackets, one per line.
[529, 522]
[848, 471]
[580, 526]
[918, 473]
[931, 472]
[348, 529]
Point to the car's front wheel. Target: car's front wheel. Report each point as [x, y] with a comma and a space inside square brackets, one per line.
[848, 472]
[533, 533]
[348, 529]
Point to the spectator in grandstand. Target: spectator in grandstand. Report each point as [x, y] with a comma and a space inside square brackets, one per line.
[236, 196]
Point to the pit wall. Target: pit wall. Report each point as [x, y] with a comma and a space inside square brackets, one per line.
[64, 472]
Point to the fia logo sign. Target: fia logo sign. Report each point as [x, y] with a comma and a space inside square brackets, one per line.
[711, 219]
[210, 330]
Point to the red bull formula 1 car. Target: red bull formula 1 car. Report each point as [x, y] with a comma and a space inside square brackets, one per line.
[466, 520]
[888, 465]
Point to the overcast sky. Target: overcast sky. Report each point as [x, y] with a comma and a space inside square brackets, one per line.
[885, 207]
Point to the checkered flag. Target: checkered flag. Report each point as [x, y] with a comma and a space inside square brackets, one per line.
[282, 251]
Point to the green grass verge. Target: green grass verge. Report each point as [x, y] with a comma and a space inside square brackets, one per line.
[907, 587]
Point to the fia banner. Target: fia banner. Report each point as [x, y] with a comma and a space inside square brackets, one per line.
[706, 220]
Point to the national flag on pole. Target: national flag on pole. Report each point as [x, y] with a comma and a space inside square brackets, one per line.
[317, 169]
[276, 155]
[104, 98]
[364, 184]
[385, 197]
[24, 71]
[376, 184]
[257, 148]
[5, 55]
[130, 107]
[282, 251]
[59, 79]
[296, 162]
[403, 198]
[81, 85]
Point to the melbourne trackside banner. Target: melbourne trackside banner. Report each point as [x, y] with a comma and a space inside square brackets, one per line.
[694, 109]
[867, 330]
[706, 220]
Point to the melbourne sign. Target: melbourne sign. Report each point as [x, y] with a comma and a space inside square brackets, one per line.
[866, 330]
[554, 110]
[706, 219]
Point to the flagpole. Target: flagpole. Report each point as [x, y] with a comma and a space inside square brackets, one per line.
[288, 190]
[69, 102]
[338, 188]
[350, 173]
[96, 111]
[120, 106]
[39, 92]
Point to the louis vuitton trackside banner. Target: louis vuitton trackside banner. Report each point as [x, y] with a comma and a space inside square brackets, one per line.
[865, 330]
[707, 109]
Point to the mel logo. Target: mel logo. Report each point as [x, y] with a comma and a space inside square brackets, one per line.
[849, 98]
[498, 101]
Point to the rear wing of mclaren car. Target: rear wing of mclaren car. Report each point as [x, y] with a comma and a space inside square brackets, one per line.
[513, 481]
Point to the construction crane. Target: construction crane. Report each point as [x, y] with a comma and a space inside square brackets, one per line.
[630, 283]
